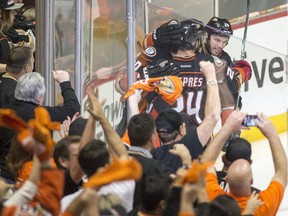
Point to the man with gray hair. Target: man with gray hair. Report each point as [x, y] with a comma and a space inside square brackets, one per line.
[30, 92]
[30, 88]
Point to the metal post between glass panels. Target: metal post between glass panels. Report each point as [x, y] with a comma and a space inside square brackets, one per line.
[44, 51]
[131, 41]
[78, 49]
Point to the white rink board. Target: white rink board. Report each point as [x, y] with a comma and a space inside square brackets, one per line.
[267, 49]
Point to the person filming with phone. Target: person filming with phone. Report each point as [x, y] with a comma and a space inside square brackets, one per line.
[239, 174]
[250, 121]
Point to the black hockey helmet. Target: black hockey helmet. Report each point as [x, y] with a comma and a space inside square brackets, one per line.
[193, 31]
[219, 26]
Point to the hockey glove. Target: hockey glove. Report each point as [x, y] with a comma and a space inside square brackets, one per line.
[246, 72]
[163, 69]
[169, 33]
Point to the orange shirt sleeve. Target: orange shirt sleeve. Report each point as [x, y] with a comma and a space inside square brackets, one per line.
[51, 189]
[272, 198]
[213, 189]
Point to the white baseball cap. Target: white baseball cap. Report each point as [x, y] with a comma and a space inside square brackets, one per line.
[10, 5]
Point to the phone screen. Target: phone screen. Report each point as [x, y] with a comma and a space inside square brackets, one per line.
[249, 121]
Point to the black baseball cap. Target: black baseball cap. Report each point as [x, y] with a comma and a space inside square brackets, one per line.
[10, 5]
[77, 127]
[238, 148]
[170, 120]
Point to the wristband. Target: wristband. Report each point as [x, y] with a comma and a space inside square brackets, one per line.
[212, 82]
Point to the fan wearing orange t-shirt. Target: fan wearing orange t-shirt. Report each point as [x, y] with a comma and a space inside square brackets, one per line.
[239, 175]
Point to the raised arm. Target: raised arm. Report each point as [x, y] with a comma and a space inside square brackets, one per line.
[113, 139]
[133, 101]
[71, 104]
[232, 124]
[76, 171]
[212, 107]
[278, 153]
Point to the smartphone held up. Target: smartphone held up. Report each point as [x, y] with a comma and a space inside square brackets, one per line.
[249, 121]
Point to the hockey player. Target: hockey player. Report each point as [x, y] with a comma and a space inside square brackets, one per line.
[185, 64]
[218, 32]
[173, 49]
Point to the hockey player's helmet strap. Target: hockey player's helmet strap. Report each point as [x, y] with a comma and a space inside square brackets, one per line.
[193, 31]
[219, 26]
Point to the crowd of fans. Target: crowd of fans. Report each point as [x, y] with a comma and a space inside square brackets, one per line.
[128, 174]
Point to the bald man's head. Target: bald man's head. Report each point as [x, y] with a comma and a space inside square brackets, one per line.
[239, 177]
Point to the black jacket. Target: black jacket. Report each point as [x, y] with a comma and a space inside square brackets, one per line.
[25, 110]
[150, 167]
[70, 106]
[7, 89]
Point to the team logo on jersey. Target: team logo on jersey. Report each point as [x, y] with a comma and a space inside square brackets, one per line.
[150, 51]
[217, 61]
[166, 85]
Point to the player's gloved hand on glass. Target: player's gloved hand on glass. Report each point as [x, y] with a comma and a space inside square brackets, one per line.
[169, 33]
[247, 69]
[164, 68]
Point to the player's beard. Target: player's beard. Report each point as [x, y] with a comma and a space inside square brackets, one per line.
[208, 47]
